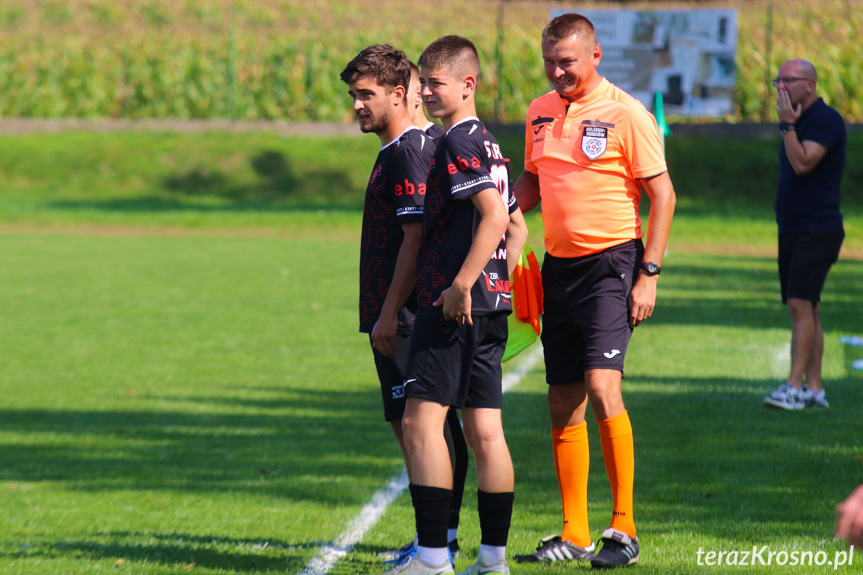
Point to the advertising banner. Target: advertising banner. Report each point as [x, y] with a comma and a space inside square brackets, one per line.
[686, 55]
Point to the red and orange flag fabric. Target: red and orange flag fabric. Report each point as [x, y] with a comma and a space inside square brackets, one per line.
[526, 288]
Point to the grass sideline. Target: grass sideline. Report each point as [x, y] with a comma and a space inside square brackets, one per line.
[204, 404]
[185, 390]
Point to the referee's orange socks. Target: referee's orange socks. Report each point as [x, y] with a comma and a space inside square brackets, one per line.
[572, 462]
[615, 433]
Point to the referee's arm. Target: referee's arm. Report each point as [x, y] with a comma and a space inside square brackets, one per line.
[526, 191]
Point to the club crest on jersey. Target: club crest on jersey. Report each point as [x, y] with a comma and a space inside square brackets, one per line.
[594, 141]
[375, 173]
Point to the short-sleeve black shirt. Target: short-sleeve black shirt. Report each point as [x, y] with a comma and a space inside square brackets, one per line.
[434, 131]
[810, 203]
[395, 196]
[468, 160]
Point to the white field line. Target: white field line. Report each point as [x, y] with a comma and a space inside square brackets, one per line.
[330, 553]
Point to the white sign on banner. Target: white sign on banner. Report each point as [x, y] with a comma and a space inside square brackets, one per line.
[686, 55]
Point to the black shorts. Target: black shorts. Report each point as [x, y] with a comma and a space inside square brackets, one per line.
[457, 364]
[391, 370]
[804, 260]
[586, 320]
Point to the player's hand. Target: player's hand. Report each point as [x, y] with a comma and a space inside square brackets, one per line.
[384, 334]
[849, 526]
[456, 304]
[642, 299]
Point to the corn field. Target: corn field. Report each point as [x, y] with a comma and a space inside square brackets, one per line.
[280, 59]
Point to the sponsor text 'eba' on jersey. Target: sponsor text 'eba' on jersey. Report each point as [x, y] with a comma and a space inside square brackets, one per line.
[395, 196]
[468, 160]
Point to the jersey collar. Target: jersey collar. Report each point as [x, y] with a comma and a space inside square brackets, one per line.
[462, 121]
[589, 97]
[399, 137]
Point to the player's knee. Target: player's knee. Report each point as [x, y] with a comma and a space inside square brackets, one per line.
[564, 400]
[800, 307]
[485, 439]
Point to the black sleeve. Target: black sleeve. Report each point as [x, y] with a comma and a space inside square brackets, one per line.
[409, 175]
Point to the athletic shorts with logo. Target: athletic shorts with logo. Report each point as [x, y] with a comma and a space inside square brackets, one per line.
[457, 364]
[586, 318]
[804, 260]
[391, 370]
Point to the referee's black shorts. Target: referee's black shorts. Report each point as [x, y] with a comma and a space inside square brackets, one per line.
[804, 260]
[586, 320]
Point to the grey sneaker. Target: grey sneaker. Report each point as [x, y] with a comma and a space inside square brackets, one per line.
[786, 396]
[553, 548]
[499, 568]
[618, 550]
[816, 399]
[416, 566]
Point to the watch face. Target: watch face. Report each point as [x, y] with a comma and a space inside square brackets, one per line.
[651, 268]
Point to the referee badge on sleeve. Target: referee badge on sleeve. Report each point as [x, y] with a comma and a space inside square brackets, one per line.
[594, 141]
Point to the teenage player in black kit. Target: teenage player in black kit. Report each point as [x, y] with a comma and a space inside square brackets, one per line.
[453, 432]
[377, 81]
[473, 233]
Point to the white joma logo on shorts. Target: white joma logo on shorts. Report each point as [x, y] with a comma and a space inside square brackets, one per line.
[612, 353]
[399, 390]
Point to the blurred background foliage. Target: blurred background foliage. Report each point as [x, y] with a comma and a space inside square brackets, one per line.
[280, 59]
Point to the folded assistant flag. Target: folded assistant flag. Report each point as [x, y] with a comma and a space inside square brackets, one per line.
[526, 287]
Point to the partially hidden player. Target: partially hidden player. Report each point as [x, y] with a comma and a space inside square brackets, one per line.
[415, 104]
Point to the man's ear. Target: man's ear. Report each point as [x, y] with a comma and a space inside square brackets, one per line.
[398, 94]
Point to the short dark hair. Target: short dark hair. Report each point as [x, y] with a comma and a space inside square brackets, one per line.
[455, 54]
[389, 67]
[568, 25]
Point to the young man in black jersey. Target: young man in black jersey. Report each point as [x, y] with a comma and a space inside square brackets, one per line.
[377, 81]
[473, 233]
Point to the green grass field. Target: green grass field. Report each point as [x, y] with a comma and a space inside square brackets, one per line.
[184, 389]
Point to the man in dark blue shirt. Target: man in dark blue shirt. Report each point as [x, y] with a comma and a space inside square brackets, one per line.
[811, 162]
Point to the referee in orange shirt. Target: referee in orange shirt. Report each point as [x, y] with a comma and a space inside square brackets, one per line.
[590, 147]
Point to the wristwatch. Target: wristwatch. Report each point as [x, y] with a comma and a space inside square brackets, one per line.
[651, 268]
[785, 126]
